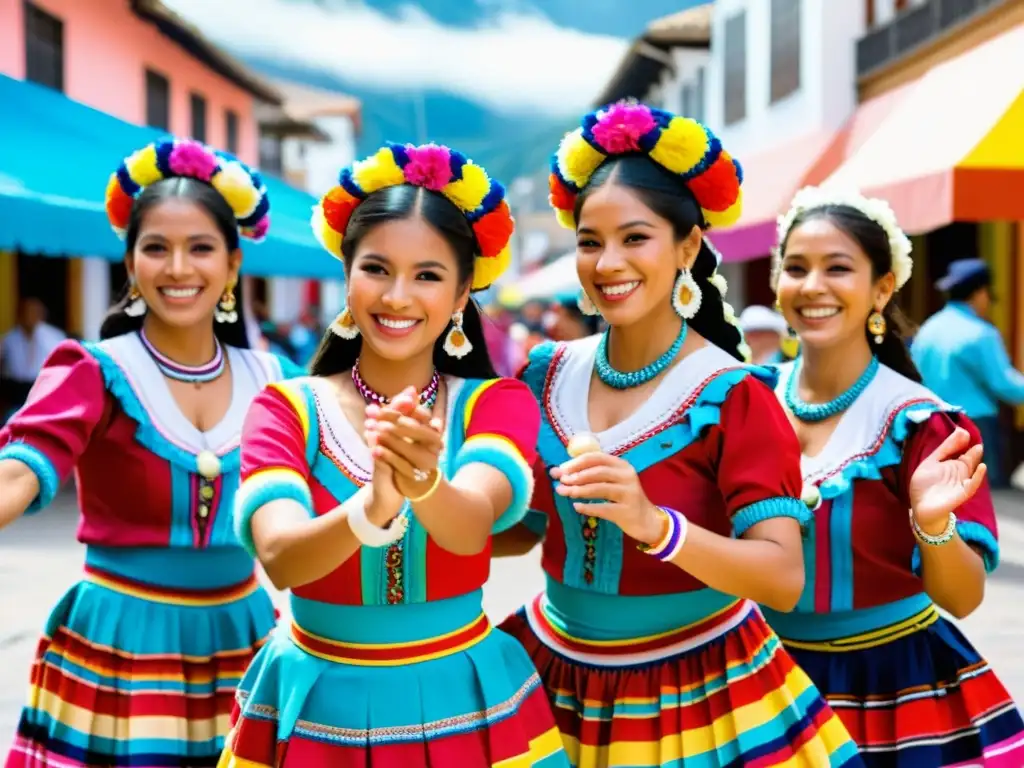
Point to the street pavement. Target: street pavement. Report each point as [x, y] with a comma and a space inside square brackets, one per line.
[40, 559]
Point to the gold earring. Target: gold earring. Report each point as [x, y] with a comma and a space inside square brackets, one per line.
[877, 326]
[225, 312]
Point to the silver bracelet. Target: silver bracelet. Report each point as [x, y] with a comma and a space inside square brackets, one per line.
[936, 541]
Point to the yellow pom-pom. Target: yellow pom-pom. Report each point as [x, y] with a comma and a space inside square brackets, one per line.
[324, 233]
[682, 144]
[235, 185]
[469, 191]
[486, 271]
[565, 218]
[725, 218]
[577, 160]
[142, 167]
[377, 172]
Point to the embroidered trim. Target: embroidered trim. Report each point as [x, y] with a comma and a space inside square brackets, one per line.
[768, 509]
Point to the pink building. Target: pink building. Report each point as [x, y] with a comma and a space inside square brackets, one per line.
[136, 60]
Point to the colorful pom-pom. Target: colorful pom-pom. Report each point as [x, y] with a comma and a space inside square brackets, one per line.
[560, 196]
[428, 166]
[190, 158]
[377, 172]
[717, 187]
[337, 206]
[118, 204]
[142, 166]
[486, 271]
[619, 127]
[240, 186]
[494, 230]
[681, 145]
[468, 192]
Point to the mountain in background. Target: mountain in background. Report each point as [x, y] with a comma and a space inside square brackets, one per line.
[507, 145]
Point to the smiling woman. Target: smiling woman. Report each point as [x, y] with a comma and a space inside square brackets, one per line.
[372, 488]
[139, 660]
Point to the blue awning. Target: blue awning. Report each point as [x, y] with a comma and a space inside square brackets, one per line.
[55, 158]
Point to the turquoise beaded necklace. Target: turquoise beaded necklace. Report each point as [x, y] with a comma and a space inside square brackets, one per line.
[619, 380]
[821, 411]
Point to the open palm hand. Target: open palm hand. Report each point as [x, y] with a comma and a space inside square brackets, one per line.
[949, 477]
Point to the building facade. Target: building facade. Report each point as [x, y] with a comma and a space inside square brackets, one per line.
[138, 61]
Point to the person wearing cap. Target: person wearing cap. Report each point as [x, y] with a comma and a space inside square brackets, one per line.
[963, 359]
[763, 330]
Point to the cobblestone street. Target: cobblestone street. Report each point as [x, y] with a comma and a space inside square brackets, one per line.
[39, 559]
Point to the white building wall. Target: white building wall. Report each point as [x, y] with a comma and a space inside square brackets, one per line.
[320, 163]
[827, 95]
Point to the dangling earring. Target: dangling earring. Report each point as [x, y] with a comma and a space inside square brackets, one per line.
[686, 295]
[344, 326]
[225, 312]
[586, 304]
[877, 326]
[136, 306]
[455, 343]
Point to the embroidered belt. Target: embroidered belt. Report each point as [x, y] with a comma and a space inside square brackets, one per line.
[392, 654]
[172, 595]
[873, 638]
[635, 650]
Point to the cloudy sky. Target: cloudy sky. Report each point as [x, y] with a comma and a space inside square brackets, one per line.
[503, 54]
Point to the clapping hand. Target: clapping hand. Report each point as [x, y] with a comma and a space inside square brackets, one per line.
[950, 476]
[408, 439]
[615, 486]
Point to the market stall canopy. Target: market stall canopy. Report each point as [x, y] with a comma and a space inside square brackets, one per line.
[952, 148]
[55, 158]
[555, 281]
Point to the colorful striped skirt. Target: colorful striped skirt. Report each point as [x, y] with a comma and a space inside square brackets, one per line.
[719, 691]
[909, 687]
[133, 674]
[427, 685]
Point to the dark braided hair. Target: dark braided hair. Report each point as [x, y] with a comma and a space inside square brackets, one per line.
[668, 196]
[874, 241]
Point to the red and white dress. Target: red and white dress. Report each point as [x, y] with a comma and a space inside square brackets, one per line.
[909, 687]
[644, 664]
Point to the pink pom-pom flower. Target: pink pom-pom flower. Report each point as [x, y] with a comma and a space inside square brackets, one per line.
[620, 127]
[429, 166]
[190, 158]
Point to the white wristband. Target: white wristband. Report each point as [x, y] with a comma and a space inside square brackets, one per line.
[369, 534]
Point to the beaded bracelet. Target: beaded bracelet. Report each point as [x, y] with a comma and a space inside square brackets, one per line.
[672, 542]
[936, 541]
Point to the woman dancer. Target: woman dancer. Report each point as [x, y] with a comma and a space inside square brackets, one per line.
[374, 501]
[908, 686]
[658, 543]
[139, 661]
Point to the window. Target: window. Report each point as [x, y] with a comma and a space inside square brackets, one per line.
[693, 96]
[44, 48]
[270, 154]
[198, 107]
[231, 131]
[736, 68]
[158, 101]
[785, 48]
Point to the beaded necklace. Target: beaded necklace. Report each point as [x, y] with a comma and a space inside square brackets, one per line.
[192, 374]
[812, 412]
[619, 380]
[427, 397]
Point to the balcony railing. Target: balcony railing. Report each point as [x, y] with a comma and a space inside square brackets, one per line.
[915, 27]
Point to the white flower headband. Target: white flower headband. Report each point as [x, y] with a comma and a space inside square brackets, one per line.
[812, 198]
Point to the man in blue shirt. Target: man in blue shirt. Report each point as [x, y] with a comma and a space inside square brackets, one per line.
[963, 360]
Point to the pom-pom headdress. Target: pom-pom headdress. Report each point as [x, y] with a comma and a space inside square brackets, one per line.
[681, 145]
[241, 186]
[438, 168]
[876, 209]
